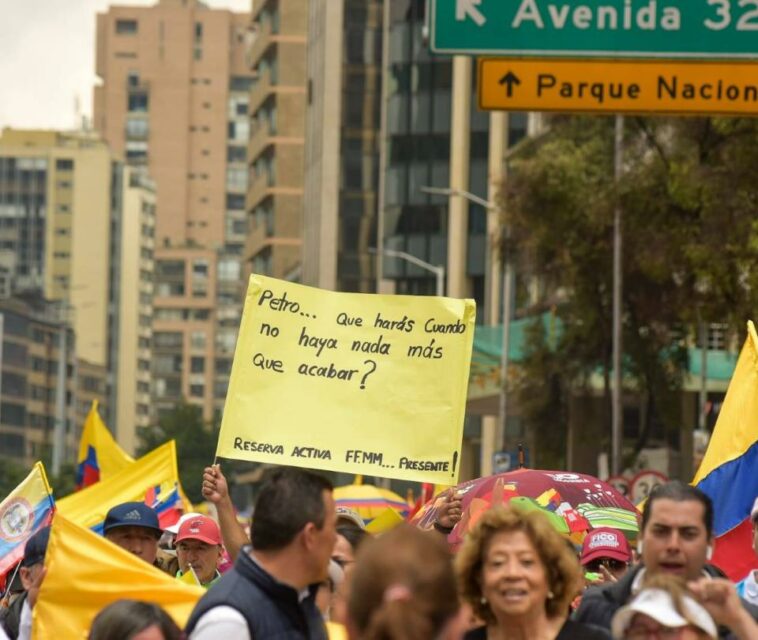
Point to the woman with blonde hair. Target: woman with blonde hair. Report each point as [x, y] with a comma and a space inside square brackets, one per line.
[403, 588]
[519, 575]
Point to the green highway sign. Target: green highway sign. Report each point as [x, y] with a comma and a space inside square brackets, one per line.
[657, 29]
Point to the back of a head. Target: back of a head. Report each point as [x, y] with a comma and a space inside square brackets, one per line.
[289, 499]
[124, 619]
[679, 491]
[403, 587]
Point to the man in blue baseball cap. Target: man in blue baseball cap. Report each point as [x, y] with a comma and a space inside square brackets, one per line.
[134, 526]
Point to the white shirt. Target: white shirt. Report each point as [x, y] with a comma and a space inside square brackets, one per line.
[25, 622]
[221, 622]
[748, 588]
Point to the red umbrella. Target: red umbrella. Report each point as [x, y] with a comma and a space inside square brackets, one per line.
[575, 503]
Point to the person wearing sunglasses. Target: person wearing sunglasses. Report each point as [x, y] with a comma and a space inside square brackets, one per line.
[606, 555]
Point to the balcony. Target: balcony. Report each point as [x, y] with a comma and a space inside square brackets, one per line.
[259, 189]
[262, 40]
[262, 90]
[259, 141]
[256, 240]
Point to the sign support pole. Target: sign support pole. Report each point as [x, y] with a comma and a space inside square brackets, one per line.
[617, 414]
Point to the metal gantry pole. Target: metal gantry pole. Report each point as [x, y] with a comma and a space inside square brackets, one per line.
[505, 352]
[617, 410]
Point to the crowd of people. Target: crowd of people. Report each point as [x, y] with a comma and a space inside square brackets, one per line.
[309, 570]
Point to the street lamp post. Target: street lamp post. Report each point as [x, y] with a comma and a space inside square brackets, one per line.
[507, 304]
[437, 270]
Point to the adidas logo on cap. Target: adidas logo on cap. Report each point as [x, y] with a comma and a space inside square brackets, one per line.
[133, 515]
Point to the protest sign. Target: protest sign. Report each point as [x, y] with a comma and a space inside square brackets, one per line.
[359, 383]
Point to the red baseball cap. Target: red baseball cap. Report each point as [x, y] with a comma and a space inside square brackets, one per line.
[200, 528]
[605, 542]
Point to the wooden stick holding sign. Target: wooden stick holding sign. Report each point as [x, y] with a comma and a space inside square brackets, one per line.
[360, 383]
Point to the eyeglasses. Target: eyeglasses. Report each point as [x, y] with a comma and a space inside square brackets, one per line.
[609, 563]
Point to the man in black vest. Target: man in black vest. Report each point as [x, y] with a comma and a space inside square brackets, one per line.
[676, 538]
[270, 592]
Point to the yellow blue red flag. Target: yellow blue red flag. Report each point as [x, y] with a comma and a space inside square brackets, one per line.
[152, 479]
[99, 454]
[86, 572]
[728, 471]
[27, 509]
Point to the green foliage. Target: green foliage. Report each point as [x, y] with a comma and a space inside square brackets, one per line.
[195, 444]
[689, 199]
[11, 473]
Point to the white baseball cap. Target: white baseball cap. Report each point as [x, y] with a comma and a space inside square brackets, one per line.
[659, 605]
[351, 515]
[174, 528]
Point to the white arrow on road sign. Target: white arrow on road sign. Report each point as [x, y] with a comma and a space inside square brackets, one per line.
[468, 8]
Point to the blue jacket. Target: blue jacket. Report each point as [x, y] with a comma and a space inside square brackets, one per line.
[273, 610]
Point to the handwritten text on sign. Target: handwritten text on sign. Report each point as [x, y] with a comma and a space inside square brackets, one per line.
[359, 383]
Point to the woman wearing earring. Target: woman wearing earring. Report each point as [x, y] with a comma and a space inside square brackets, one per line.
[519, 576]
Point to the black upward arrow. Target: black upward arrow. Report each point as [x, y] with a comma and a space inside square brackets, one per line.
[509, 80]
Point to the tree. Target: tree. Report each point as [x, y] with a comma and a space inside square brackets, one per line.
[11, 474]
[195, 444]
[690, 245]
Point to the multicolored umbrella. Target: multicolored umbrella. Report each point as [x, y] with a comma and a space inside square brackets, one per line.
[574, 503]
[370, 501]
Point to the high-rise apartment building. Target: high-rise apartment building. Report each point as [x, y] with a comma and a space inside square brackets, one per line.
[131, 321]
[342, 144]
[55, 227]
[36, 348]
[277, 56]
[173, 101]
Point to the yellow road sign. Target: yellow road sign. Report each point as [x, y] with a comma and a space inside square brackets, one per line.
[618, 86]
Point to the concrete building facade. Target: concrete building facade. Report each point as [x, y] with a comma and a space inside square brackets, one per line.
[343, 126]
[173, 102]
[31, 399]
[55, 226]
[132, 290]
[277, 57]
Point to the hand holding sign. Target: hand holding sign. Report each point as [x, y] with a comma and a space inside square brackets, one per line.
[352, 382]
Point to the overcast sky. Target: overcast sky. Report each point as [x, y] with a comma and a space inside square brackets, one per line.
[47, 58]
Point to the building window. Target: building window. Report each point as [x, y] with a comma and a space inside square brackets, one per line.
[197, 390]
[126, 27]
[236, 154]
[240, 83]
[236, 178]
[229, 270]
[197, 365]
[64, 164]
[138, 101]
[132, 79]
[197, 340]
[167, 340]
[235, 201]
[238, 131]
[136, 128]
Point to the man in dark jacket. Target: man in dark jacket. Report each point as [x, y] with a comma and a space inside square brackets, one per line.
[31, 566]
[270, 592]
[676, 538]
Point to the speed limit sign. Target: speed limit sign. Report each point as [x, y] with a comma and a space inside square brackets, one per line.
[643, 483]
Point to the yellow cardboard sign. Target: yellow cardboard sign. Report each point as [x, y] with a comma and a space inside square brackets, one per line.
[615, 86]
[360, 383]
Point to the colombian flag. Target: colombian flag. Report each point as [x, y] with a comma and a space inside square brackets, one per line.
[86, 573]
[729, 471]
[153, 479]
[99, 455]
[28, 508]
